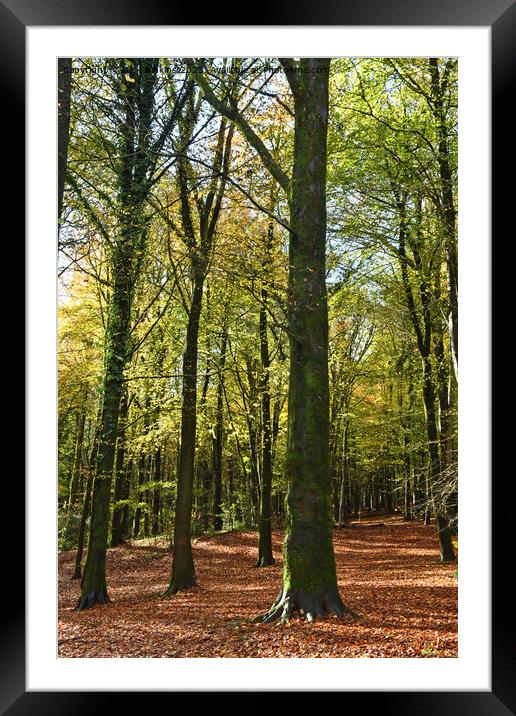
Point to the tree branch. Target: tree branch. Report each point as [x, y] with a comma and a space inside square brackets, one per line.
[232, 113]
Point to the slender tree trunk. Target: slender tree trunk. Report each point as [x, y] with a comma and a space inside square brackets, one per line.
[252, 429]
[217, 440]
[447, 553]
[87, 502]
[142, 476]
[77, 460]
[183, 570]
[156, 501]
[424, 340]
[120, 474]
[200, 247]
[345, 469]
[447, 206]
[82, 526]
[125, 530]
[265, 555]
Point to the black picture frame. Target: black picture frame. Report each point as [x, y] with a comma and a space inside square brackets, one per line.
[500, 15]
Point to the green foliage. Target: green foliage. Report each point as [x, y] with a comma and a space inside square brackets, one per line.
[385, 144]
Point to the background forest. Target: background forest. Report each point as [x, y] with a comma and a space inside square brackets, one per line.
[180, 193]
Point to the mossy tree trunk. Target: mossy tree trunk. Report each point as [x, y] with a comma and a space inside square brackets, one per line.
[446, 204]
[94, 589]
[309, 573]
[309, 583]
[126, 254]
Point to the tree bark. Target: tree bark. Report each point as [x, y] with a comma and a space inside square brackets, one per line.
[265, 555]
[345, 469]
[120, 473]
[309, 576]
[309, 573]
[87, 502]
[423, 331]
[217, 440]
[64, 90]
[200, 245]
[76, 480]
[183, 570]
[126, 258]
[156, 495]
[447, 206]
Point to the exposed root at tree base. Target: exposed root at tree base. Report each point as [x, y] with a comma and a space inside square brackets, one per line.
[296, 602]
[91, 598]
[264, 562]
[182, 586]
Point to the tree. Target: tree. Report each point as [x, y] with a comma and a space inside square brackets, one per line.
[134, 85]
[198, 239]
[309, 577]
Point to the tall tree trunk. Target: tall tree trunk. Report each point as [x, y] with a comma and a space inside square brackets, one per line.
[120, 473]
[265, 555]
[93, 586]
[156, 501]
[447, 553]
[345, 468]
[217, 440]
[424, 341]
[200, 246]
[64, 90]
[253, 427]
[139, 494]
[126, 259]
[183, 570]
[77, 460]
[447, 205]
[82, 526]
[309, 572]
[87, 502]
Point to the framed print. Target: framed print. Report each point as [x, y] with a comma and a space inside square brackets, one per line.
[236, 318]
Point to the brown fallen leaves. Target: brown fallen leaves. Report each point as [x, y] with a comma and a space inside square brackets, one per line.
[389, 576]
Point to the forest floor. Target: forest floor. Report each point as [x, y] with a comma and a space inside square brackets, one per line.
[406, 601]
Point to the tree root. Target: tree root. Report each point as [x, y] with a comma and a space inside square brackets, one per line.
[180, 586]
[265, 562]
[309, 605]
[91, 598]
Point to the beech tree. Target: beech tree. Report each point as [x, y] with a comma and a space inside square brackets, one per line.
[198, 237]
[309, 577]
[134, 87]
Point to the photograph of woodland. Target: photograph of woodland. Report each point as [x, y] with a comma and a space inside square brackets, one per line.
[257, 357]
